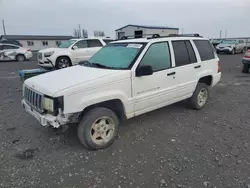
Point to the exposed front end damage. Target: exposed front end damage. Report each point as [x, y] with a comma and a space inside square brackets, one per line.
[50, 120]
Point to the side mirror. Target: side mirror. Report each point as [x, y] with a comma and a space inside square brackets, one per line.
[74, 47]
[144, 70]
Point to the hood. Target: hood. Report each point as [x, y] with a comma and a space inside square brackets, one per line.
[55, 81]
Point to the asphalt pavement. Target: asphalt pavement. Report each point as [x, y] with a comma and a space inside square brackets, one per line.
[173, 147]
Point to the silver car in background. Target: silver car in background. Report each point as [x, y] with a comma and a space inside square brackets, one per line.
[10, 52]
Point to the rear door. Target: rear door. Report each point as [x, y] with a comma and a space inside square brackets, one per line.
[186, 66]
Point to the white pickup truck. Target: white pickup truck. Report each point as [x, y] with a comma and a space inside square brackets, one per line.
[124, 79]
[71, 52]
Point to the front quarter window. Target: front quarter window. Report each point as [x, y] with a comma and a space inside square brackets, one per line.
[117, 55]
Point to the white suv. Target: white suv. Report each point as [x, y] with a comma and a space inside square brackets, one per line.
[14, 52]
[124, 79]
[70, 52]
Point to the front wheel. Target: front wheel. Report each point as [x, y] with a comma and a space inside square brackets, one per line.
[98, 128]
[233, 51]
[245, 68]
[200, 96]
[63, 62]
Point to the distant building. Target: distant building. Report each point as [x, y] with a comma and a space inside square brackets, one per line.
[140, 31]
[34, 42]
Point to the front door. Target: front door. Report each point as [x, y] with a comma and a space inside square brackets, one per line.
[156, 90]
[80, 51]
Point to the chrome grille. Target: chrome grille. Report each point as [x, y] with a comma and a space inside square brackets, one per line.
[34, 99]
[39, 56]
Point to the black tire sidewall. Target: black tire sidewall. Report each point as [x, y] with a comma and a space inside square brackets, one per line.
[193, 101]
[57, 62]
[84, 128]
[245, 68]
[20, 55]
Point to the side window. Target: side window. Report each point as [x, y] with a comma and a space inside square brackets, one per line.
[205, 49]
[81, 44]
[58, 43]
[157, 56]
[30, 43]
[1, 47]
[8, 47]
[45, 43]
[180, 53]
[192, 56]
[94, 43]
[108, 40]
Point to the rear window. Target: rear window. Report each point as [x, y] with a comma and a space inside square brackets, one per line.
[205, 49]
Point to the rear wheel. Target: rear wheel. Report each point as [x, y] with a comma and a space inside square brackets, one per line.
[245, 68]
[243, 50]
[200, 96]
[20, 58]
[63, 62]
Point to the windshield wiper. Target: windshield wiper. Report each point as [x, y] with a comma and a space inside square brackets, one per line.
[102, 66]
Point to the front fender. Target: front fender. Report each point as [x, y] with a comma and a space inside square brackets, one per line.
[87, 99]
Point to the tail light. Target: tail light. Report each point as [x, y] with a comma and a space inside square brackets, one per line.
[29, 50]
[247, 54]
[218, 67]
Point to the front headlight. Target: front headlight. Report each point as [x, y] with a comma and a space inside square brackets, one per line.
[48, 54]
[48, 104]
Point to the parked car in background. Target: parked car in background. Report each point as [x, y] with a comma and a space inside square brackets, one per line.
[246, 62]
[70, 52]
[124, 79]
[14, 52]
[215, 42]
[231, 46]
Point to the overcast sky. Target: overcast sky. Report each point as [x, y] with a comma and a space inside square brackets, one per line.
[59, 17]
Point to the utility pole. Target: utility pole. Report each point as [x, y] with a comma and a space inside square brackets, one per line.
[182, 31]
[225, 33]
[220, 33]
[4, 31]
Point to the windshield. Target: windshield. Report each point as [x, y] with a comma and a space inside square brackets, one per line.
[116, 55]
[228, 41]
[67, 44]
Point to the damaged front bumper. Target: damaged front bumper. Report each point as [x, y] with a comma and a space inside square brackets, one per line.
[50, 120]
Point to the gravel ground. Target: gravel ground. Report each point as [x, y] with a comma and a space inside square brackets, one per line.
[172, 147]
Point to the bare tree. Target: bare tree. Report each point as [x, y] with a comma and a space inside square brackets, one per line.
[99, 33]
[77, 33]
[84, 33]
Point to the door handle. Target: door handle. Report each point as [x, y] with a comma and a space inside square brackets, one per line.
[172, 73]
[198, 66]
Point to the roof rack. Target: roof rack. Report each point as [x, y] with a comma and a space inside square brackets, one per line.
[176, 35]
[153, 36]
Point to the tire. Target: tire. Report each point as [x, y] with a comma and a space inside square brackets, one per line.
[217, 52]
[20, 58]
[245, 68]
[63, 62]
[233, 51]
[98, 128]
[194, 101]
[243, 50]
